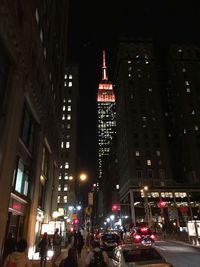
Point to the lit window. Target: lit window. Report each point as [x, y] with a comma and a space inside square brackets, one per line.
[150, 90]
[63, 117]
[117, 186]
[67, 144]
[180, 50]
[193, 112]
[58, 199]
[65, 199]
[41, 35]
[69, 108]
[183, 70]
[66, 176]
[169, 135]
[70, 84]
[137, 153]
[184, 131]
[62, 144]
[69, 101]
[60, 177]
[63, 108]
[65, 84]
[196, 128]
[59, 187]
[146, 62]
[188, 90]
[61, 166]
[37, 16]
[129, 61]
[64, 100]
[187, 83]
[149, 162]
[158, 153]
[68, 117]
[144, 118]
[65, 76]
[70, 76]
[65, 187]
[66, 165]
[129, 75]
[68, 126]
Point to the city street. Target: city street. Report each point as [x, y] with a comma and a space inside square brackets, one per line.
[179, 254]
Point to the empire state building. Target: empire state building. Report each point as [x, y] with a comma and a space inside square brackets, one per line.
[106, 116]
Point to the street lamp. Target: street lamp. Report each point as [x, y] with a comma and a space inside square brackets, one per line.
[83, 177]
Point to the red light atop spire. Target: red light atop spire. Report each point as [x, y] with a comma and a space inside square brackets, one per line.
[104, 74]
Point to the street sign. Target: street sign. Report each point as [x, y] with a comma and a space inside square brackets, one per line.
[88, 211]
[90, 198]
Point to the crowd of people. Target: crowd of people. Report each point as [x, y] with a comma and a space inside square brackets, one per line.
[15, 253]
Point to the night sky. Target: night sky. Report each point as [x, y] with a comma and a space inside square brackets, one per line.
[94, 25]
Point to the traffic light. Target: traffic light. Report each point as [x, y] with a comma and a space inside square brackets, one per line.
[114, 207]
[162, 204]
[76, 221]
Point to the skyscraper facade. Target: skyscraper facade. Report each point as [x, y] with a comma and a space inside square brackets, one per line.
[33, 40]
[67, 176]
[106, 116]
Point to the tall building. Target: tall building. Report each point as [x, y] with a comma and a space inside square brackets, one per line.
[33, 40]
[157, 131]
[68, 171]
[106, 116]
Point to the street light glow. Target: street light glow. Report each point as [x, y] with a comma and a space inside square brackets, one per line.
[55, 214]
[83, 177]
[78, 207]
[112, 217]
[70, 207]
[146, 187]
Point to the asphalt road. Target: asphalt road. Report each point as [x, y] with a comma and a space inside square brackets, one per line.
[179, 254]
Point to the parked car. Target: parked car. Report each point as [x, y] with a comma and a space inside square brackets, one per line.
[144, 235]
[131, 255]
[109, 241]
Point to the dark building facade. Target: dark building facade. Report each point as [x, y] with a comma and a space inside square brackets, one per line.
[157, 130]
[68, 168]
[32, 66]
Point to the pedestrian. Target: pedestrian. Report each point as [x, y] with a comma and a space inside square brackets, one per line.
[71, 260]
[43, 247]
[10, 245]
[96, 257]
[79, 243]
[18, 258]
[56, 246]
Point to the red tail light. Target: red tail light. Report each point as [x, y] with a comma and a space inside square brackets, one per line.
[153, 237]
[137, 237]
[100, 234]
[144, 229]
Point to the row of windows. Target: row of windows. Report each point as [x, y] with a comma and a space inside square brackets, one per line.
[61, 199]
[68, 117]
[65, 187]
[69, 108]
[68, 76]
[68, 84]
[66, 165]
[137, 153]
[67, 144]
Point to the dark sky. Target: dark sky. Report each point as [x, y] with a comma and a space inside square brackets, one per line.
[97, 24]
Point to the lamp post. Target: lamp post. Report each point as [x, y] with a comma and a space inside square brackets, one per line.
[146, 204]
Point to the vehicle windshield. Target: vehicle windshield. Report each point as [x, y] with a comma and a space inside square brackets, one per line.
[110, 237]
[137, 255]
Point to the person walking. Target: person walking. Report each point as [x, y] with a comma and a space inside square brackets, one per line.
[71, 259]
[56, 246]
[10, 245]
[43, 246]
[79, 243]
[96, 257]
[18, 258]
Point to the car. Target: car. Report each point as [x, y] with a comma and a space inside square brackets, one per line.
[131, 255]
[109, 241]
[144, 235]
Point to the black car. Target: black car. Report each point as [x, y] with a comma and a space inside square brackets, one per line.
[144, 235]
[109, 241]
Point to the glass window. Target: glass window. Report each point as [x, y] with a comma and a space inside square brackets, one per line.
[59, 187]
[137, 153]
[68, 117]
[70, 76]
[67, 144]
[65, 77]
[65, 187]
[58, 199]
[62, 144]
[65, 199]
[69, 108]
[70, 84]
[149, 162]
[21, 178]
[66, 165]
[66, 176]
[63, 117]
[63, 108]
[117, 186]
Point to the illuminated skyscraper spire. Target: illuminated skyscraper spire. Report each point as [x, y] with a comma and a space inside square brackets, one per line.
[104, 74]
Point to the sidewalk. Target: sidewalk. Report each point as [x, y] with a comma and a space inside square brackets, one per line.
[63, 255]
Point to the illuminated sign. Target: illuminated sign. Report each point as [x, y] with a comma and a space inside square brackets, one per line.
[48, 228]
[191, 228]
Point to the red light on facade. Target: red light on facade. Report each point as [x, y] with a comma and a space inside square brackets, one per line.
[162, 204]
[76, 221]
[16, 207]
